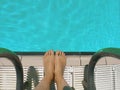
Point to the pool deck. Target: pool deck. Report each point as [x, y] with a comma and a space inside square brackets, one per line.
[74, 77]
[72, 60]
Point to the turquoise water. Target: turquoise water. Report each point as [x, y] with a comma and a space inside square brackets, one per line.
[68, 25]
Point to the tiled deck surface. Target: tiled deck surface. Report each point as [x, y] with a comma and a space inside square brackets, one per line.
[76, 72]
[72, 60]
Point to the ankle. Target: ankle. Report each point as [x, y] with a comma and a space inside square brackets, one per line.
[61, 83]
[59, 74]
[48, 78]
[59, 78]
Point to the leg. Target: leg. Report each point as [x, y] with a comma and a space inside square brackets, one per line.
[60, 62]
[48, 61]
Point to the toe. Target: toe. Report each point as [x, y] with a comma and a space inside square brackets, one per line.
[60, 53]
[46, 53]
[57, 53]
[63, 54]
[51, 52]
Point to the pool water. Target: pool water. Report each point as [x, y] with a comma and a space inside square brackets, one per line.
[67, 25]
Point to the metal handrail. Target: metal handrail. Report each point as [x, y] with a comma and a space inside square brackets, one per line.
[88, 81]
[18, 66]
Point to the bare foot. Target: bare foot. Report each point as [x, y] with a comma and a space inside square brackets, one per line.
[49, 65]
[60, 63]
[48, 61]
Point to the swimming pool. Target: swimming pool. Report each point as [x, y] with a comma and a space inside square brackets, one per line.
[67, 25]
